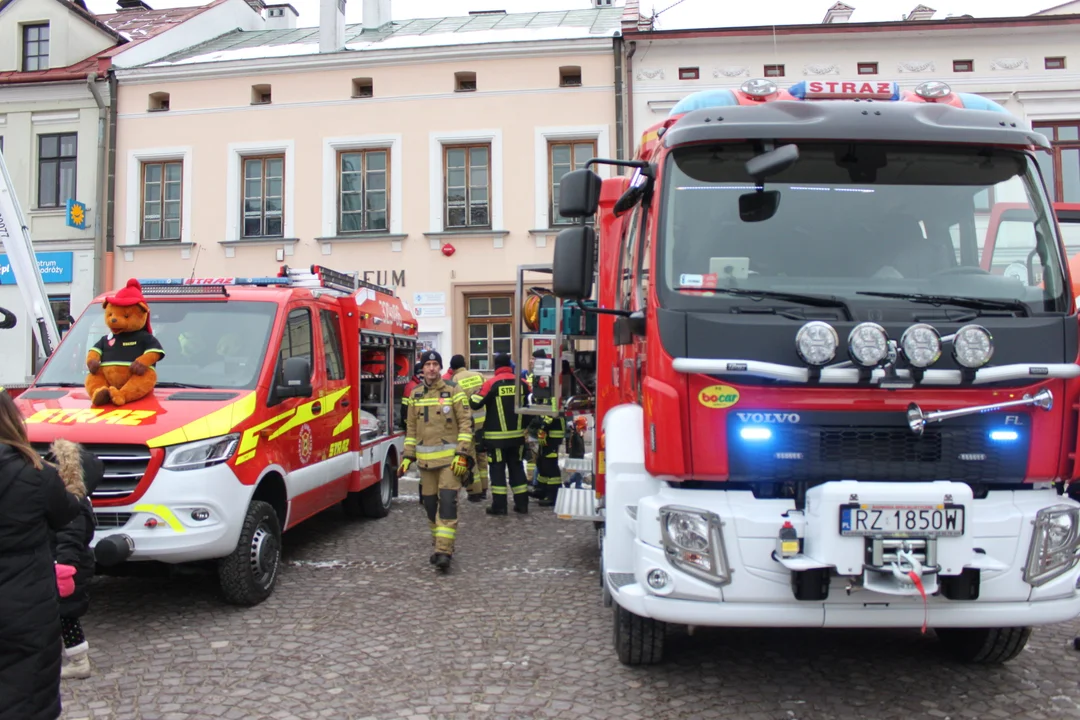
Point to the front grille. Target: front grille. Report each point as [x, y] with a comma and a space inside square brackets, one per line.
[827, 446]
[124, 467]
[107, 520]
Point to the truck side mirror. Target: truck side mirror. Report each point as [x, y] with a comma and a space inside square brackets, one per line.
[572, 269]
[579, 194]
[295, 378]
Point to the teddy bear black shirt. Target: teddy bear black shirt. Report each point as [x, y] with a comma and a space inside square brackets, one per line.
[125, 348]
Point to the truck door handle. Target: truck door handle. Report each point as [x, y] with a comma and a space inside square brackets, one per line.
[344, 402]
[316, 408]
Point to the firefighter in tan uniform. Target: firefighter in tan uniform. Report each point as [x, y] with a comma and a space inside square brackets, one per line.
[470, 382]
[439, 438]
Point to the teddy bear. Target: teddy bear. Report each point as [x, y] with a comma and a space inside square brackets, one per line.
[121, 364]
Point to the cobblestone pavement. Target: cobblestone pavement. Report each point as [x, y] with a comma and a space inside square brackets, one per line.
[360, 626]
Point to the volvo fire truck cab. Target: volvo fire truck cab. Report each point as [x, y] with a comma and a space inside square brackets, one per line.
[825, 407]
[277, 398]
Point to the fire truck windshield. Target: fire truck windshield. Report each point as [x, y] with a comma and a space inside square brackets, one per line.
[207, 344]
[850, 218]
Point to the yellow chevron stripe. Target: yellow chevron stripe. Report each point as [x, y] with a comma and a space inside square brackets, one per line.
[219, 422]
[305, 414]
[345, 424]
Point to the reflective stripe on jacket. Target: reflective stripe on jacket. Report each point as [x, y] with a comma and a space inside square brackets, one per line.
[439, 425]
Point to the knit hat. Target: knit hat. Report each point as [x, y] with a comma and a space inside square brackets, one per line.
[431, 355]
[130, 295]
[418, 368]
[502, 360]
[458, 361]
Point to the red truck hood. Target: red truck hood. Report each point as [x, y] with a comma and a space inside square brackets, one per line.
[165, 417]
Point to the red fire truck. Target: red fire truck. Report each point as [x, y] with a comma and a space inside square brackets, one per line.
[825, 408]
[278, 397]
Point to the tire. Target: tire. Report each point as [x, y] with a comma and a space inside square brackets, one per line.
[375, 501]
[984, 646]
[248, 575]
[638, 640]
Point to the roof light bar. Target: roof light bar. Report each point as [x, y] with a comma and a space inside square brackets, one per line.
[845, 90]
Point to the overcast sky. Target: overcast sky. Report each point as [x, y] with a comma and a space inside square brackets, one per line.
[673, 13]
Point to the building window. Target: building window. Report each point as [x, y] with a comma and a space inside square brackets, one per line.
[363, 88]
[162, 198]
[35, 47]
[1054, 63]
[363, 204]
[159, 102]
[488, 321]
[56, 169]
[464, 82]
[468, 186]
[264, 190]
[963, 65]
[1061, 168]
[689, 73]
[260, 95]
[774, 71]
[564, 157]
[570, 76]
[61, 310]
[868, 68]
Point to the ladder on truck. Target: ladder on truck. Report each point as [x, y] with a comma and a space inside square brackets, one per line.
[15, 236]
[316, 277]
[561, 342]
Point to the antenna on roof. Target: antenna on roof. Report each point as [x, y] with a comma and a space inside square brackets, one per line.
[195, 264]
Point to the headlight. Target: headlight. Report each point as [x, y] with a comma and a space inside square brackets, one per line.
[693, 543]
[973, 346]
[201, 454]
[921, 345]
[933, 90]
[816, 342]
[868, 344]
[1054, 544]
[759, 87]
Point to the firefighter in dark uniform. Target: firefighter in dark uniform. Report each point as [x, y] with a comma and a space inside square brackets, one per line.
[504, 438]
[550, 433]
[438, 438]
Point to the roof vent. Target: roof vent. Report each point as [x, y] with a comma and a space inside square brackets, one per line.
[132, 5]
[838, 13]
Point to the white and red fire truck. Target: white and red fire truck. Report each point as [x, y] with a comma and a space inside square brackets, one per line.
[830, 403]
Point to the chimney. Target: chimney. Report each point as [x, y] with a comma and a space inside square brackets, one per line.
[921, 12]
[132, 5]
[331, 25]
[281, 17]
[838, 13]
[376, 14]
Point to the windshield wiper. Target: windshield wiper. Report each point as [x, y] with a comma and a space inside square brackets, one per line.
[181, 385]
[966, 302]
[44, 384]
[825, 301]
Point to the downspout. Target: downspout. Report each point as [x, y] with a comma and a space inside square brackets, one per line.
[630, 89]
[110, 201]
[99, 203]
[620, 141]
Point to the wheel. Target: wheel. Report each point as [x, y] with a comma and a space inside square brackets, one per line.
[638, 640]
[247, 576]
[984, 646]
[375, 500]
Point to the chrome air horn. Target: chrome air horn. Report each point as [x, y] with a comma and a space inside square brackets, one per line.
[917, 419]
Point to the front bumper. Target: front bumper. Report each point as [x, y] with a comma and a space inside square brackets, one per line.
[758, 591]
[161, 524]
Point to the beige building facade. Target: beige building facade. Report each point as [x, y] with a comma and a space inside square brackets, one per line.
[424, 154]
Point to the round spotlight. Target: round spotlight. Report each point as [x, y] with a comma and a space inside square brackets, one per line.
[921, 344]
[868, 344]
[816, 342]
[759, 87]
[973, 346]
[933, 90]
[657, 579]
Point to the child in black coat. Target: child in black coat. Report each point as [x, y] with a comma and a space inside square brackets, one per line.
[71, 546]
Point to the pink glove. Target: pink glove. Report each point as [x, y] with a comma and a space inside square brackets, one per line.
[65, 579]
